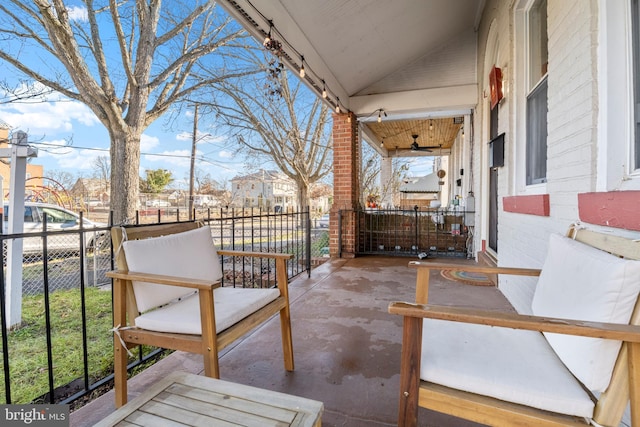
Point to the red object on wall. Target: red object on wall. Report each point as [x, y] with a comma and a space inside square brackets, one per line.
[619, 209]
[531, 205]
[495, 86]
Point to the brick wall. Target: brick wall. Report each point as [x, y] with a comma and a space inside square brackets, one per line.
[346, 163]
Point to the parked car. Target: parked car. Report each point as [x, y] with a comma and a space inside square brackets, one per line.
[58, 219]
[324, 221]
[203, 201]
[156, 203]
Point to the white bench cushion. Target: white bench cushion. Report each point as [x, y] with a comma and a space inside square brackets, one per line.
[513, 365]
[183, 317]
[190, 254]
[584, 283]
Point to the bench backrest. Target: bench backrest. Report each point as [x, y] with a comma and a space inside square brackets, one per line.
[122, 233]
[613, 401]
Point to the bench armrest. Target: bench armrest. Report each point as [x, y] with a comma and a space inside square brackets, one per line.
[272, 255]
[614, 331]
[424, 270]
[475, 268]
[163, 280]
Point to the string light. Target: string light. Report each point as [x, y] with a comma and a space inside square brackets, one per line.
[267, 40]
[302, 73]
[431, 125]
[380, 113]
[276, 47]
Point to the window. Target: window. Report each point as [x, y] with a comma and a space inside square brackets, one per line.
[536, 127]
[635, 45]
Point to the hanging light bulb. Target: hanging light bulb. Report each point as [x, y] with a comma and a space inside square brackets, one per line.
[324, 90]
[337, 104]
[302, 73]
[267, 40]
[380, 116]
[431, 125]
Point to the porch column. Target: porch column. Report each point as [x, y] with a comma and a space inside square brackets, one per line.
[385, 182]
[346, 188]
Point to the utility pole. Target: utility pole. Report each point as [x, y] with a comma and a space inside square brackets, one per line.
[194, 141]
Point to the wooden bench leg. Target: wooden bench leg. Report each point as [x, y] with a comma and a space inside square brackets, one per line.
[634, 382]
[120, 372]
[410, 372]
[119, 350]
[209, 336]
[285, 314]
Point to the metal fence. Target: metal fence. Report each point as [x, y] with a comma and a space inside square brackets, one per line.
[61, 350]
[414, 232]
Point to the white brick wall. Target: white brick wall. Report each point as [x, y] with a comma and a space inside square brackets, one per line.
[572, 127]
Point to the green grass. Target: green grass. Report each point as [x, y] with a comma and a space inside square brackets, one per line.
[28, 346]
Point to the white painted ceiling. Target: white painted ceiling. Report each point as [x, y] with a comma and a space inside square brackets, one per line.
[414, 59]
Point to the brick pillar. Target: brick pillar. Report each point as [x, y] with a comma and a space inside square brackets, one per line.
[346, 188]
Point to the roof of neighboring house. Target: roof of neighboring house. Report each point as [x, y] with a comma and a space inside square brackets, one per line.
[4, 125]
[88, 185]
[266, 175]
[425, 184]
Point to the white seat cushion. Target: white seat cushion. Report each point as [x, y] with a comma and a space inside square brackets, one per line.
[513, 365]
[183, 317]
[584, 283]
[190, 254]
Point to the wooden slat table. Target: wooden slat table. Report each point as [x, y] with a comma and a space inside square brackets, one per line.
[185, 399]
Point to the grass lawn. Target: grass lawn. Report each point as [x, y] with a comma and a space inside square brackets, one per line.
[28, 345]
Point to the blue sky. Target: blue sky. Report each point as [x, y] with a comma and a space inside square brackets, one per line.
[69, 137]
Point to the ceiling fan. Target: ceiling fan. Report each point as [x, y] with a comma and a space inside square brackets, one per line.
[416, 147]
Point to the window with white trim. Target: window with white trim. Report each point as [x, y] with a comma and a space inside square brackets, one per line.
[536, 120]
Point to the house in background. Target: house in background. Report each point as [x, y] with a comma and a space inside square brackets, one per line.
[34, 183]
[265, 189]
[90, 192]
[320, 197]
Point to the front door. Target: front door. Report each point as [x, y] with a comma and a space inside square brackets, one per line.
[493, 187]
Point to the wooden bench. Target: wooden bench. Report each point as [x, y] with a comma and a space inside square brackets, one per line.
[489, 391]
[152, 316]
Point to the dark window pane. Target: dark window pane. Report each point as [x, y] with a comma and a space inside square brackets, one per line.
[537, 134]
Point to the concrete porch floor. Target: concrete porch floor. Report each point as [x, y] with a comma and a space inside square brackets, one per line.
[346, 346]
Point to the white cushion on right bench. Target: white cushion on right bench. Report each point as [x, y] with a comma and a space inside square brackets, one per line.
[584, 283]
[513, 365]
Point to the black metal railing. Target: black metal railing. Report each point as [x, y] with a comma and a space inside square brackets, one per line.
[412, 232]
[64, 278]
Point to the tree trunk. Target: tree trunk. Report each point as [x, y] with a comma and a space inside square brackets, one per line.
[303, 194]
[125, 179]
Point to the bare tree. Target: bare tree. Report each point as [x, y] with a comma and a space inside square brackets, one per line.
[371, 188]
[282, 122]
[102, 170]
[61, 179]
[127, 61]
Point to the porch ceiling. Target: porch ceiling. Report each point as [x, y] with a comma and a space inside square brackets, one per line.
[413, 60]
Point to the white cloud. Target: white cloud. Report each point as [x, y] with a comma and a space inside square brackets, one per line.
[50, 116]
[224, 154]
[78, 13]
[148, 142]
[57, 154]
[183, 136]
